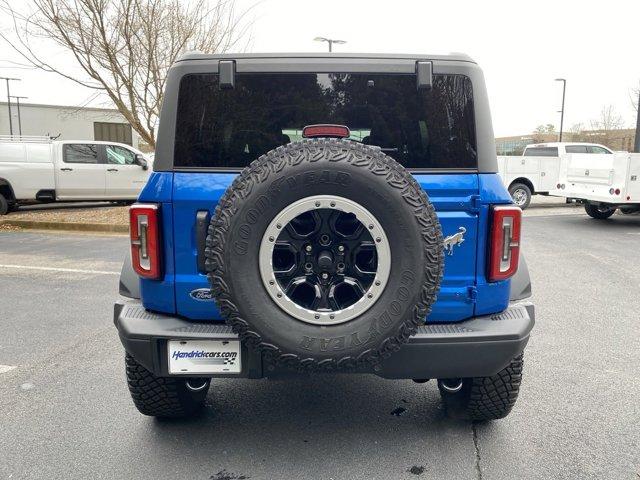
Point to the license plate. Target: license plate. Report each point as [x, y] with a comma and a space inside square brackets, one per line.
[204, 356]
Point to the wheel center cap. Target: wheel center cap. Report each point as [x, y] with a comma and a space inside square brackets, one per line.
[325, 260]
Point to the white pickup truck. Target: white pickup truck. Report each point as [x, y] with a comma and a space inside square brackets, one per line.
[603, 183]
[37, 169]
[538, 169]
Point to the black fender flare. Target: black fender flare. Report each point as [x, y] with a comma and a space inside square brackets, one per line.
[129, 279]
[521, 281]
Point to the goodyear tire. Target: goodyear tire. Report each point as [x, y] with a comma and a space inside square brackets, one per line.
[483, 398]
[164, 397]
[325, 254]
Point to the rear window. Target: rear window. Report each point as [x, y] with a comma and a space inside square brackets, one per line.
[541, 152]
[575, 149]
[80, 153]
[419, 128]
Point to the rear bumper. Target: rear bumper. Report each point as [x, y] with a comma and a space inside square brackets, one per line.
[477, 347]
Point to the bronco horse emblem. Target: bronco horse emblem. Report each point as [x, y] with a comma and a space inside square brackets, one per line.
[454, 240]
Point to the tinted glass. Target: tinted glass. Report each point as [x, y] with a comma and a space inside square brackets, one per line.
[595, 149]
[120, 156]
[541, 152]
[575, 149]
[80, 153]
[419, 128]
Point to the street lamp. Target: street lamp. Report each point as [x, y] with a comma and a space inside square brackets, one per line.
[564, 88]
[330, 41]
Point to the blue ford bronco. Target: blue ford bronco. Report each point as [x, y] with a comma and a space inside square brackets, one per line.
[325, 213]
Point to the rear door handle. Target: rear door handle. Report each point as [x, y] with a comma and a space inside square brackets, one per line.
[112, 169]
[202, 225]
[66, 169]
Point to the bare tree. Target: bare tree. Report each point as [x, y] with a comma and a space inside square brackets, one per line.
[125, 47]
[635, 97]
[608, 120]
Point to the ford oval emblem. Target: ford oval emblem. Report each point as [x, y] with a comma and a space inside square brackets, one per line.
[202, 295]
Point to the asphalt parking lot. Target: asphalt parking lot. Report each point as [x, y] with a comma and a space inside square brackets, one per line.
[66, 411]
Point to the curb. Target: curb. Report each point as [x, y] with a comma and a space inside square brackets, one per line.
[552, 205]
[78, 227]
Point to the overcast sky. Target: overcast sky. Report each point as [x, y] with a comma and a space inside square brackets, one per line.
[522, 47]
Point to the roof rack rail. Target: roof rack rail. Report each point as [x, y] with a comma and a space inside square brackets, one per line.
[26, 138]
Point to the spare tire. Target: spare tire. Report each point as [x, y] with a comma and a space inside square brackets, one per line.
[325, 254]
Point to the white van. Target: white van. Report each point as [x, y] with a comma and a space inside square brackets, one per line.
[537, 170]
[37, 169]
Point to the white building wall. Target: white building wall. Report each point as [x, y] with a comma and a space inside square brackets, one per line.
[72, 123]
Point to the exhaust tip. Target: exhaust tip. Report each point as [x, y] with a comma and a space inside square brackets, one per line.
[197, 384]
[450, 385]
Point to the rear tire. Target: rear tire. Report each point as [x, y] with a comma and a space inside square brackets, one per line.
[520, 194]
[164, 397]
[4, 205]
[485, 398]
[630, 210]
[600, 213]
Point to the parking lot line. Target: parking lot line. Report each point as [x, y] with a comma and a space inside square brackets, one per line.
[6, 368]
[56, 269]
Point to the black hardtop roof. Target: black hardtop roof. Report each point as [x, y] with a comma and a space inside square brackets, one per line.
[451, 57]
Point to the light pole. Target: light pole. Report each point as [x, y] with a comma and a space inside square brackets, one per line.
[637, 142]
[564, 88]
[330, 41]
[9, 101]
[19, 118]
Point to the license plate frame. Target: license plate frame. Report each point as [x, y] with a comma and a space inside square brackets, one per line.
[204, 357]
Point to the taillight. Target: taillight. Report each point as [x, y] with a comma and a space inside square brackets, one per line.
[144, 231]
[505, 242]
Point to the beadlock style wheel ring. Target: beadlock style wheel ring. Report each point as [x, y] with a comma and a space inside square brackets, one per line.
[324, 260]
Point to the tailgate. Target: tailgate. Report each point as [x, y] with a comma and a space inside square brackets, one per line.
[453, 195]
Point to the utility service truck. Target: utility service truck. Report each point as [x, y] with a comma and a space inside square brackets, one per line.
[603, 182]
[537, 170]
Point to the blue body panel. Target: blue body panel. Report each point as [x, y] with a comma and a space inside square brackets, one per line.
[461, 200]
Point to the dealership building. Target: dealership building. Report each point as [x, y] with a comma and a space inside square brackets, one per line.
[622, 140]
[67, 123]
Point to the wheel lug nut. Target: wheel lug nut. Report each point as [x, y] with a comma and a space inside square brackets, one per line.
[377, 283]
[333, 204]
[378, 239]
[279, 295]
[271, 239]
[325, 275]
[308, 248]
[271, 282]
[317, 204]
[341, 248]
[317, 317]
[278, 226]
[370, 295]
